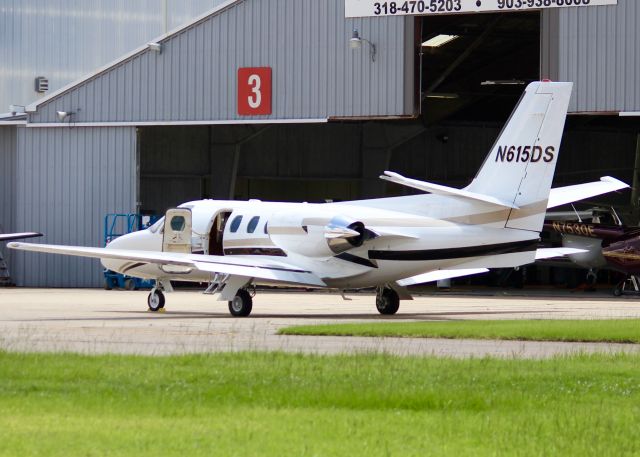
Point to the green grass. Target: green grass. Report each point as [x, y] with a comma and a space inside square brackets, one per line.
[276, 404]
[613, 331]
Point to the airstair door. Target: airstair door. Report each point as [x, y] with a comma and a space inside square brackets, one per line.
[177, 231]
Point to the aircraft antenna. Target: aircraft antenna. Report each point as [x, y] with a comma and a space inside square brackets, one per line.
[576, 211]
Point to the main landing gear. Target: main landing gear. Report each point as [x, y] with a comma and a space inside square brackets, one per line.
[242, 304]
[387, 301]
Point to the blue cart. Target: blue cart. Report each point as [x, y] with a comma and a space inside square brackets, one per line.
[116, 225]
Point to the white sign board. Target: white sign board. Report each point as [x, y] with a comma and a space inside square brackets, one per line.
[373, 8]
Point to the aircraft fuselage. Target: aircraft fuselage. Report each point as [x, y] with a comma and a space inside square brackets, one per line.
[398, 244]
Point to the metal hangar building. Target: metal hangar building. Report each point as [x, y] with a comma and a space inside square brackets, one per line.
[270, 99]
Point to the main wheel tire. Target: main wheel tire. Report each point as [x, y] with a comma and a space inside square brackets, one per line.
[155, 300]
[387, 302]
[617, 290]
[241, 305]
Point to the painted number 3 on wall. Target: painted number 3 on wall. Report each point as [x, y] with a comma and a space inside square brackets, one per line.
[256, 98]
[254, 91]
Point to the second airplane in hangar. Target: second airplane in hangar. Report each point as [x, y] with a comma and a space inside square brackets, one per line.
[388, 243]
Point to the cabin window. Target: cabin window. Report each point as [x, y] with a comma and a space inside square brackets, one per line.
[266, 227]
[253, 223]
[235, 224]
[177, 223]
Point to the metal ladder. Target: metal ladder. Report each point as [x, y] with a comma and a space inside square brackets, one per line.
[5, 277]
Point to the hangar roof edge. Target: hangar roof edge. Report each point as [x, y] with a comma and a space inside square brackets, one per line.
[33, 107]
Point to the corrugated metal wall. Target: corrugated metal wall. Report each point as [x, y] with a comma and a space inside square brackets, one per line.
[306, 42]
[599, 50]
[549, 58]
[67, 180]
[7, 184]
[7, 177]
[66, 39]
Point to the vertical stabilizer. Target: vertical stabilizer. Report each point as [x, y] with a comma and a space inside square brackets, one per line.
[521, 164]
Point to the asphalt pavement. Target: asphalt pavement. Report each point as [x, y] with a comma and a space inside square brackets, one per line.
[96, 321]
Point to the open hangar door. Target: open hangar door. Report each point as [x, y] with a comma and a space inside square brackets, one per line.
[284, 162]
[475, 66]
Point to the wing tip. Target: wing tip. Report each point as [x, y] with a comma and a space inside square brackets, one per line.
[612, 180]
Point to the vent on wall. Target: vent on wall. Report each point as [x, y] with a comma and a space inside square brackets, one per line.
[42, 84]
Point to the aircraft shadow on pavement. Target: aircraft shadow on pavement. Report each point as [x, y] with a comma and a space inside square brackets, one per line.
[182, 315]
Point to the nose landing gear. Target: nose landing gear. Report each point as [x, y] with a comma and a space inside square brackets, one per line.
[155, 300]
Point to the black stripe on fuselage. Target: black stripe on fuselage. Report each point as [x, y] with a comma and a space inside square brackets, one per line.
[456, 253]
[355, 259]
[276, 252]
[135, 265]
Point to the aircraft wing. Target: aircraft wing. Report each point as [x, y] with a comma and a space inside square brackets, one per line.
[236, 265]
[549, 253]
[437, 275]
[18, 236]
[569, 194]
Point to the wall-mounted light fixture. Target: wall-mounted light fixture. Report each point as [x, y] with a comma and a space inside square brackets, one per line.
[155, 47]
[16, 109]
[62, 115]
[356, 43]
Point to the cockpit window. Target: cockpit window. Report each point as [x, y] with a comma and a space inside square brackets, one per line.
[253, 223]
[159, 223]
[235, 224]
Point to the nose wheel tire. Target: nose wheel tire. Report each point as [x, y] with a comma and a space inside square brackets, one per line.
[387, 302]
[241, 304]
[155, 300]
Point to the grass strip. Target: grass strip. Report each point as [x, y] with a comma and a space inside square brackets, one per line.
[273, 404]
[610, 331]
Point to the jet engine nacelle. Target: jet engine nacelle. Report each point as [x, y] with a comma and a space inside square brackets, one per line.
[315, 236]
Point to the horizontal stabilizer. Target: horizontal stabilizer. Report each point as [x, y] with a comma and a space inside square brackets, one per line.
[444, 190]
[438, 275]
[569, 194]
[549, 253]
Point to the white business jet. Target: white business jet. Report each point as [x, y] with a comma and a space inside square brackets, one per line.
[387, 243]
